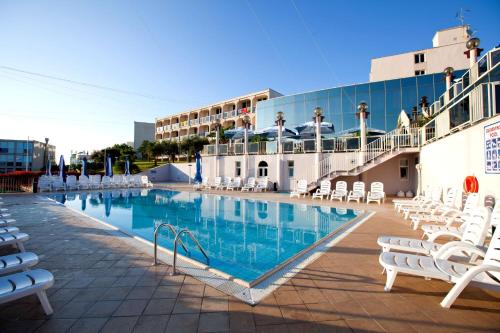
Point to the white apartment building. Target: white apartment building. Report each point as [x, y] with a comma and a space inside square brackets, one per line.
[201, 121]
[448, 46]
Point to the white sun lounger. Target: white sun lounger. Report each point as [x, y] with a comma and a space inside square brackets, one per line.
[44, 184]
[301, 189]
[71, 183]
[340, 192]
[217, 182]
[358, 192]
[8, 230]
[250, 185]
[17, 262]
[426, 205]
[485, 275]
[324, 190]
[27, 283]
[376, 193]
[95, 181]
[413, 201]
[262, 184]
[16, 239]
[235, 184]
[83, 183]
[438, 211]
[224, 183]
[474, 233]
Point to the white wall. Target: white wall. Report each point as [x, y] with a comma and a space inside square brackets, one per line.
[448, 161]
[171, 172]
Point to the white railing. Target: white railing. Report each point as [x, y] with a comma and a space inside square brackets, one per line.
[194, 122]
[175, 126]
[166, 128]
[205, 119]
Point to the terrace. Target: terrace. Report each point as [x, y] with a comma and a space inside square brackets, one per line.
[105, 282]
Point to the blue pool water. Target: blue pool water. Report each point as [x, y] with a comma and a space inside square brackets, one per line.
[242, 237]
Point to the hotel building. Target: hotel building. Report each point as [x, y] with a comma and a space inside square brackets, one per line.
[201, 121]
[21, 155]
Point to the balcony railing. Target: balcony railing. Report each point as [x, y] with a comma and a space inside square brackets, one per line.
[175, 126]
[193, 122]
[205, 119]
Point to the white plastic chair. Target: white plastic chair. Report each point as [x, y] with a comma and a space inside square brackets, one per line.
[250, 185]
[340, 191]
[262, 184]
[324, 190]
[376, 193]
[301, 189]
[357, 193]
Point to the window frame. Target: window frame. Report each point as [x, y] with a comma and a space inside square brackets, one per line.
[291, 168]
[406, 166]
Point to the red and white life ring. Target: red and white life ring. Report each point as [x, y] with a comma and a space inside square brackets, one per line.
[471, 185]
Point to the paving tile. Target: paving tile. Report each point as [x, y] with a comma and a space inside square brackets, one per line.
[322, 311]
[103, 309]
[295, 313]
[187, 305]
[119, 324]
[141, 293]
[131, 307]
[151, 324]
[159, 306]
[185, 323]
[54, 325]
[192, 290]
[170, 291]
[241, 322]
[214, 304]
[88, 325]
[213, 322]
[74, 309]
[116, 293]
[287, 297]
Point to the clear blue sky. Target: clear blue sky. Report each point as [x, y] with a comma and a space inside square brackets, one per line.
[190, 53]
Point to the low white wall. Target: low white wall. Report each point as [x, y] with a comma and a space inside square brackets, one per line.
[448, 161]
[172, 172]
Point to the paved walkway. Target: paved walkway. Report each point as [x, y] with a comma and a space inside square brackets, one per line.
[105, 285]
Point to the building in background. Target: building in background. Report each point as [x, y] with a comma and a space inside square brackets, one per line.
[22, 155]
[201, 121]
[77, 157]
[448, 46]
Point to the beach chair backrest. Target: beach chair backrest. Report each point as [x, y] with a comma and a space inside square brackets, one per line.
[204, 180]
[227, 180]
[436, 194]
[377, 187]
[106, 180]
[451, 197]
[493, 253]
[251, 181]
[325, 186]
[144, 180]
[218, 181]
[302, 185]
[237, 182]
[341, 186]
[83, 179]
[477, 226]
[95, 179]
[471, 203]
[495, 215]
[262, 181]
[71, 179]
[358, 188]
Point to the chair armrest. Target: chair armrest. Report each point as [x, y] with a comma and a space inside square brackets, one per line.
[452, 248]
[436, 235]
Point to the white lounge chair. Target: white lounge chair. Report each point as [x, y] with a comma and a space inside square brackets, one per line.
[433, 212]
[376, 193]
[95, 181]
[106, 182]
[235, 184]
[262, 184]
[415, 200]
[324, 190]
[58, 184]
[145, 182]
[425, 205]
[16, 239]
[474, 233]
[485, 275]
[27, 283]
[44, 183]
[340, 191]
[301, 189]
[71, 183]
[16, 262]
[83, 182]
[357, 193]
[8, 230]
[224, 183]
[250, 185]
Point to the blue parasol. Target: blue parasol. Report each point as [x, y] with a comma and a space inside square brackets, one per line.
[127, 167]
[197, 177]
[62, 171]
[308, 129]
[83, 197]
[272, 132]
[109, 167]
[107, 203]
[85, 170]
[49, 166]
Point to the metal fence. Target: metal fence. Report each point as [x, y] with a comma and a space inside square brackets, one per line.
[16, 184]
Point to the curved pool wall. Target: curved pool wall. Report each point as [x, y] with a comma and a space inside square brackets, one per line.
[247, 239]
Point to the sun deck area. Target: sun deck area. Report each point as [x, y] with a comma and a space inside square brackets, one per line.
[105, 282]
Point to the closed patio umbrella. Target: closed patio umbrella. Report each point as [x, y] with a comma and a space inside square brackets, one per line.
[85, 171]
[62, 171]
[109, 167]
[197, 177]
[127, 167]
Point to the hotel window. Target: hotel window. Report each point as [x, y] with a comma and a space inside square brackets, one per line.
[419, 72]
[237, 171]
[419, 58]
[404, 169]
[262, 169]
[291, 165]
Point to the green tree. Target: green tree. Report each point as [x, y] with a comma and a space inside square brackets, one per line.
[145, 149]
[157, 149]
[171, 149]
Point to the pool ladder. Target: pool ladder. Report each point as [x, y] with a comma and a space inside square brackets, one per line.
[177, 239]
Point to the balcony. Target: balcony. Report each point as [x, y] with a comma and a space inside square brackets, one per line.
[184, 123]
[229, 114]
[194, 122]
[175, 126]
[205, 119]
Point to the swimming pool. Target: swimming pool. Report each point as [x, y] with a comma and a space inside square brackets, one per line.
[245, 238]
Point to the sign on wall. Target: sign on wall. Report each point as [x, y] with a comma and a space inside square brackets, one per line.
[492, 147]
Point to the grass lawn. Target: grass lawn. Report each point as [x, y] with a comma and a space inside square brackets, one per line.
[144, 165]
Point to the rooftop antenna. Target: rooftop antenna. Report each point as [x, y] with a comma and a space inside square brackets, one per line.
[461, 15]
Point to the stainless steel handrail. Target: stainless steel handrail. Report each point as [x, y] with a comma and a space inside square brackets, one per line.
[172, 229]
[177, 238]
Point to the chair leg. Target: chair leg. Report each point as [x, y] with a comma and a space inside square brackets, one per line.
[42, 296]
[391, 277]
[20, 246]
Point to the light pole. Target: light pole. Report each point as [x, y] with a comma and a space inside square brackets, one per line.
[189, 165]
[45, 153]
[318, 118]
[473, 50]
[246, 123]
[362, 114]
[217, 127]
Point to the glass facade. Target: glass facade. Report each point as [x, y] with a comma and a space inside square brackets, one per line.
[385, 101]
[14, 154]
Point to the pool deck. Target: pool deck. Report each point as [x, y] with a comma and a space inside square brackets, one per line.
[105, 285]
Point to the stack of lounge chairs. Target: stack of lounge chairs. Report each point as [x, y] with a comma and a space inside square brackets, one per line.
[260, 184]
[17, 278]
[471, 255]
[55, 183]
